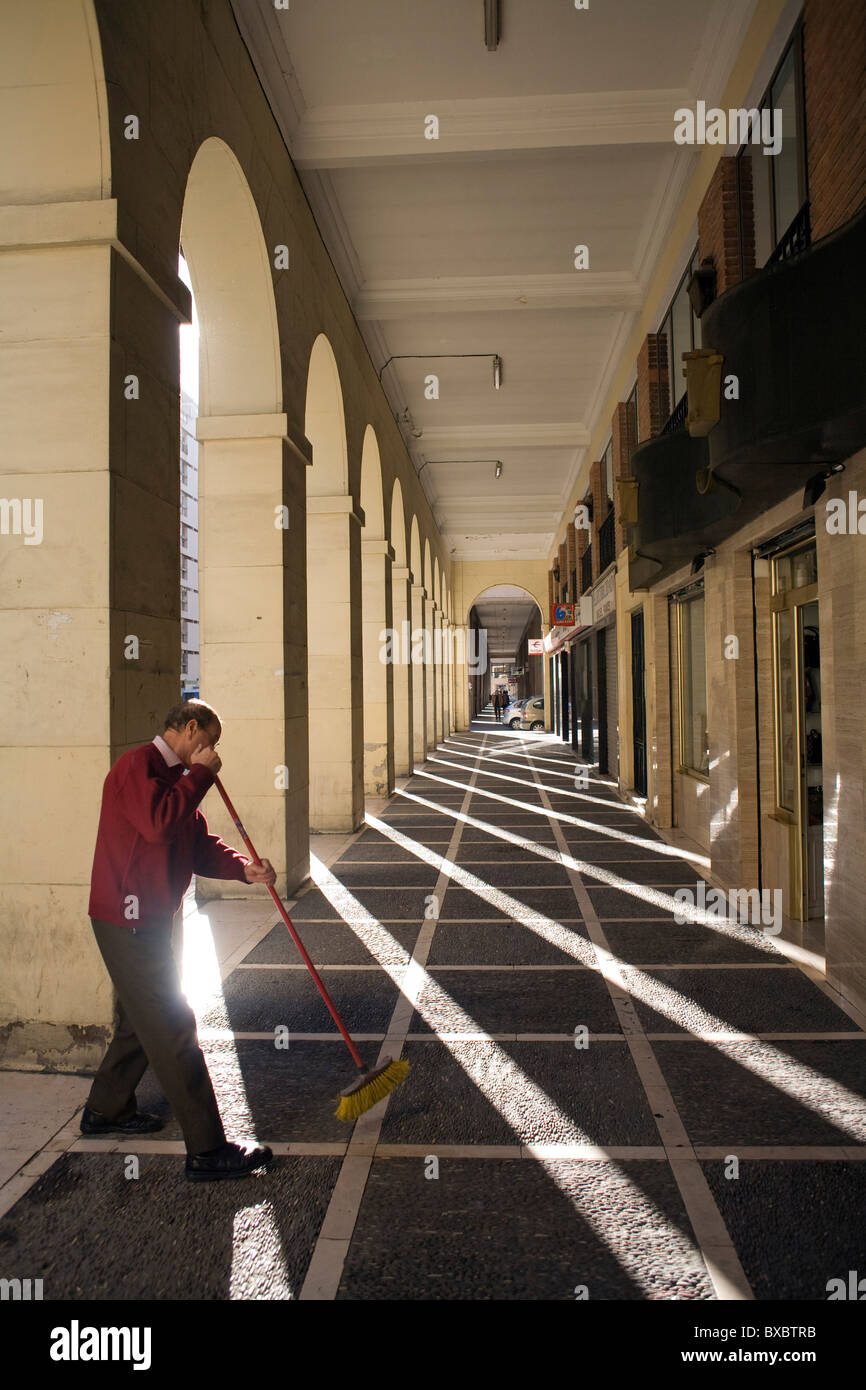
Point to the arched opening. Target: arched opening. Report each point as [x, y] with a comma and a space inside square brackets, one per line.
[401, 610]
[241, 524]
[503, 620]
[418, 619]
[429, 647]
[334, 637]
[376, 559]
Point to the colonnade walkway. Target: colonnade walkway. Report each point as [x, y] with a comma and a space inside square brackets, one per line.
[602, 1102]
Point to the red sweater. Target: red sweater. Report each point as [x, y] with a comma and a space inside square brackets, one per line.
[152, 839]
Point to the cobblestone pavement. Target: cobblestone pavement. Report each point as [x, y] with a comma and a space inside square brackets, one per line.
[602, 1102]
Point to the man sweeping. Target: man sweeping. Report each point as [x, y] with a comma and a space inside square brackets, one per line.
[151, 840]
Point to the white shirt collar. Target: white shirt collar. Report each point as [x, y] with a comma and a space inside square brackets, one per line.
[168, 753]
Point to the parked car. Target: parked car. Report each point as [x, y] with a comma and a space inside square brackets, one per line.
[513, 712]
[530, 716]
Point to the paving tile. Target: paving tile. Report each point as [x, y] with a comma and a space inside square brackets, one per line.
[660, 943]
[256, 1001]
[768, 1093]
[416, 873]
[557, 903]
[749, 1001]
[381, 903]
[670, 875]
[512, 1002]
[507, 943]
[505, 1230]
[290, 1093]
[795, 1225]
[475, 1093]
[335, 943]
[91, 1234]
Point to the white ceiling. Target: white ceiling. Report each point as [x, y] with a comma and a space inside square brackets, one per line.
[562, 136]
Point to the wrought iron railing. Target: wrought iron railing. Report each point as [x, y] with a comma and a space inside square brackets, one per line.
[677, 418]
[586, 569]
[606, 542]
[797, 239]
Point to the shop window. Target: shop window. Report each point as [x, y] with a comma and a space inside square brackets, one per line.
[692, 664]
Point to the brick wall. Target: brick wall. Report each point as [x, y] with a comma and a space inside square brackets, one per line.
[653, 390]
[623, 442]
[599, 511]
[571, 560]
[719, 224]
[834, 58]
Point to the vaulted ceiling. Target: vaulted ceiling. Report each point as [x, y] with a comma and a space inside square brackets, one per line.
[455, 249]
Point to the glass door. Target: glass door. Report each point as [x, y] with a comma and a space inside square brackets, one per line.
[797, 720]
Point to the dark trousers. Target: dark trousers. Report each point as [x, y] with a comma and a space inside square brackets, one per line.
[155, 1024]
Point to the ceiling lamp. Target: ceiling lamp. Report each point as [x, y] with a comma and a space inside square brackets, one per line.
[498, 469]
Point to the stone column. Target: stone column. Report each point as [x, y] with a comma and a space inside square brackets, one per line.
[376, 560]
[448, 676]
[548, 690]
[419, 682]
[401, 601]
[461, 677]
[249, 671]
[430, 672]
[439, 672]
[335, 664]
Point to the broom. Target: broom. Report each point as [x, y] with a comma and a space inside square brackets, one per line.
[372, 1085]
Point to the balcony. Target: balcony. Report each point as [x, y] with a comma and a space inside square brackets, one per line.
[792, 335]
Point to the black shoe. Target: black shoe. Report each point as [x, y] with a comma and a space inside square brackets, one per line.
[228, 1161]
[139, 1123]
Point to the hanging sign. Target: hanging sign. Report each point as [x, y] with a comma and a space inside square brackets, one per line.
[562, 615]
[535, 646]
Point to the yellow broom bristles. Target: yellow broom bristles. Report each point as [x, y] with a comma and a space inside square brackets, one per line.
[374, 1090]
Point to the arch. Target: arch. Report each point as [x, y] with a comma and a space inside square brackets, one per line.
[240, 551]
[224, 247]
[427, 571]
[415, 563]
[372, 503]
[325, 424]
[398, 525]
[54, 51]
[401, 611]
[495, 584]
[437, 584]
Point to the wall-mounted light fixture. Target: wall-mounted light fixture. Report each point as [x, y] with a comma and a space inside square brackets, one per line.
[492, 24]
[439, 356]
[498, 469]
[818, 483]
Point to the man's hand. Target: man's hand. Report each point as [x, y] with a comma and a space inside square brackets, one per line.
[209, 758]
[260, 873]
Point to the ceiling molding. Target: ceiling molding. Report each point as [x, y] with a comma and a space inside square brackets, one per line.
[263, 36]
[453, 294]
[724, 33]
[340, 137]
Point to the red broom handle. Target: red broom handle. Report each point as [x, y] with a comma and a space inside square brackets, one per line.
[285, 916]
